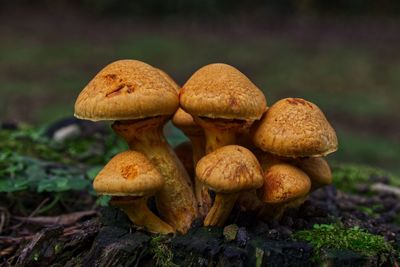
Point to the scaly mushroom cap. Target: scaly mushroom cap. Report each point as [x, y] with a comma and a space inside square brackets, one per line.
[129, 173]
[221, 91]
[284, 182]
[317, 169]
[168, 79]
[126, 90]
[230, 169]
[294, 127]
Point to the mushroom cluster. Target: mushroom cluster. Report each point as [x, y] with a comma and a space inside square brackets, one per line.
[263, 160]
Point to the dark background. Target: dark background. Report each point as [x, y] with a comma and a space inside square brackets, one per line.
[342, 55]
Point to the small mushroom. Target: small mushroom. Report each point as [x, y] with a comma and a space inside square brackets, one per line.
[228, 171]
[140, 101]
[130, 178]
[222, 100]
[195, 133]
[293, 128]
[285, 186]
[250, 201]
[317, 169]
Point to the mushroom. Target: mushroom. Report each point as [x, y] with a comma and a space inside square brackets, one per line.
[140, 101]
[222, 100]
[184, 152]
[228, 171]
[130, 178]
[250, 201]
[317, 169]
[285, 186]
[195, 133]
[293, 128]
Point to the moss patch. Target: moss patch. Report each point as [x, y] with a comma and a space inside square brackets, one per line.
[336, 236]
[162, 253]
[346, 177]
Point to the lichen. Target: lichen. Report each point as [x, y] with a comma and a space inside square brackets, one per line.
[335, 236]
[230, 232]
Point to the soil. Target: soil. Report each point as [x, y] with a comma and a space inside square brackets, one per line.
[110, 238]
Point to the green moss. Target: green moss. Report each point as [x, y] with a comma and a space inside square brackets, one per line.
[372, 211]
[346, 177]
[335, 236]
[36, 256]
[162, 254]
[58, 248]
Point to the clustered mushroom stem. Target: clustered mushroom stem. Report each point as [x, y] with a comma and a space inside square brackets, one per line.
[221, 209]
[175, 201]
[198, 146]
[203, 197]
[249, 201]
[139, 213]
[216, 138]
[271, 211]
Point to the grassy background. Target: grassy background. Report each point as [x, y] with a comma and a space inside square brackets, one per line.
[350, 68]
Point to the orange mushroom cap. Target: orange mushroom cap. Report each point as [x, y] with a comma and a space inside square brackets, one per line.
[126, 90]
[129, 173]
[230, 169]
[221, 91]
[284, 182]
[294, 127]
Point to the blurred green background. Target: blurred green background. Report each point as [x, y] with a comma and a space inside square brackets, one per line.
[343, 56]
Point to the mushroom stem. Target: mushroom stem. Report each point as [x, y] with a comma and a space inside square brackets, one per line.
[221, 209]
[203, 197]
[275, 211]
[218, 138]
[249, 202]
[139, 213]
[219, 132]
[198, 145]
[175, 201]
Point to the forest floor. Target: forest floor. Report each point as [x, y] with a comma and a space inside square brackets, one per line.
[50, 214]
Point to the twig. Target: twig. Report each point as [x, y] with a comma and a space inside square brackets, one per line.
[7, 251]
[384, 188]
[65, 219]
[48, 207]
[14, 240]
[32, 213]
[4, 218]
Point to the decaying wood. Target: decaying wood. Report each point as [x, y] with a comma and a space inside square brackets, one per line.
[112, 241]
[55, 245]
